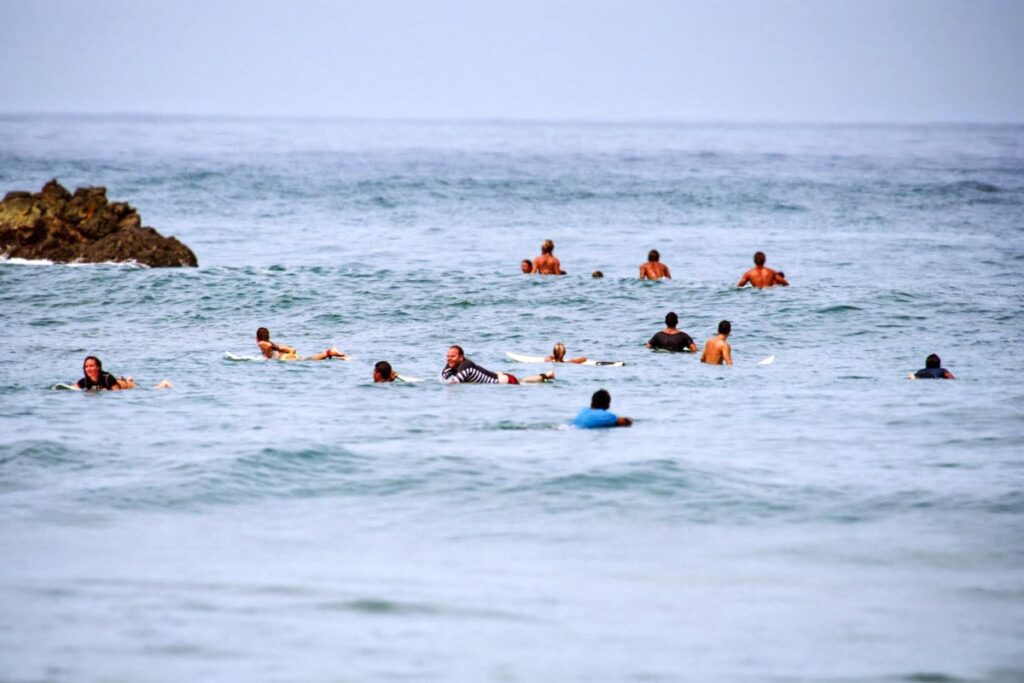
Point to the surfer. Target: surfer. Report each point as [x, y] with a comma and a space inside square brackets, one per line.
[717, 350]
[382, 372]
[932, 369]
[96, 379]
[282, 352]
[598, 415]
[761, 277]
[654, 269]
[547, 263]
[558, 356]
[460, 370]
[526, 266]
[672, 339]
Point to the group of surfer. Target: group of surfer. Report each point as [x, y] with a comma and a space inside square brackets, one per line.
[547, 263]
[460, 370]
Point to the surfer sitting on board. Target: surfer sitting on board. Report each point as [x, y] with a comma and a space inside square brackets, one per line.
[558, 356]
[547, 263]
[672, 339]
[762, 277]
[281, 352]
[97, 380]
[932, 369]
[460, 370]
[717, 350]
[654, 269]
[598, 415]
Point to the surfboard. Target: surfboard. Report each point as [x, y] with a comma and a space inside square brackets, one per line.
[239, 357]
[523, 358]
[766, 361]
[60, 386]
[407, 379]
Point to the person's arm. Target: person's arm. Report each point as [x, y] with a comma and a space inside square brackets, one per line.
[557, 266]
[780, 278]
[668, 273]
[693, 346]
[745, 279]
[643, 272]
[623, 422]
[578, 361]
[727, 354]
[948, 375]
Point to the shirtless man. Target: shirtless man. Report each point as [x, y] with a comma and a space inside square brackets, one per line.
[281, 352]
[547, 263]
[526, 266]
[762, 277]
[717, 350]
[671, 338]
[654, 269]
[460, 370]
[382, 372]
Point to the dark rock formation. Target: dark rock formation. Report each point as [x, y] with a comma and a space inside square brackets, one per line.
[82, 227]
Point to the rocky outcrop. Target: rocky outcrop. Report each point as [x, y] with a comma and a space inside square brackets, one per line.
[82, 227]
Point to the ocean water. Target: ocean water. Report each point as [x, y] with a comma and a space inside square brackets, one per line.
[819, 518]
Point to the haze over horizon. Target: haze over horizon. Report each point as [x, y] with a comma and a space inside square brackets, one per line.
[740, 61]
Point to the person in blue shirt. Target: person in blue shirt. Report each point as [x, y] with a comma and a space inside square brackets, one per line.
[598, 415]
[932, 369]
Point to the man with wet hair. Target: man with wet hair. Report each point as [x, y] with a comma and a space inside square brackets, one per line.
[461, 370]
[547, 263]
[717, 350]
[672, 339]
[598, 415]
[654, 269]
[526, 266]
[932, 369]
[762, 277]
[382, 372]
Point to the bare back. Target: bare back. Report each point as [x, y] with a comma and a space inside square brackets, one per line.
[761, 277]
[654, 270]
[547, 264]
[717, 351]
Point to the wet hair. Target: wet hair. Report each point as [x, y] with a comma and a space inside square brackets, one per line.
[933, 361]
[99, 363]
[262, 334]
[558, 351]
[547, 247]
[724, 327]
[653, 255]
[461, 352]
[383, 368]
[526, 262]
[597, 273]
[671, 320]
[759, 258]
[601, 399]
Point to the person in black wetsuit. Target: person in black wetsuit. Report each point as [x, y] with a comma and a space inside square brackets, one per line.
[460, 370]
[97, 380]
[932, 370]
[672, 339]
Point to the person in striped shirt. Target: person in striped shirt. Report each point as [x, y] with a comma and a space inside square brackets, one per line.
[461, 370]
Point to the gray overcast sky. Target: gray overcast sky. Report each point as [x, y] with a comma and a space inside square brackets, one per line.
[735, 60]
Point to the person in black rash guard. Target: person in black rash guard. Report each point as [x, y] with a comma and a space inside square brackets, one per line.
[460, 370]
[932, 370]
[96, 379]
[671, 339]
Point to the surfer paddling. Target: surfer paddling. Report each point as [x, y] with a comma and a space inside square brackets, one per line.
[96, 379]
[558, 356]
[460, 370]
[717, 350]
[382, 372]
[547, 263]
[598, 415]
[932, 369]
[654, 269]
[282, 352]
[671, 338]
[759, 276]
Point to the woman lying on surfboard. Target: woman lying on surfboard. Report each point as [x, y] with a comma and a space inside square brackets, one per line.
[281, 352]
[558, 356]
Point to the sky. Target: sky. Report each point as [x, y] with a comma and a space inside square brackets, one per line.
[887, 61]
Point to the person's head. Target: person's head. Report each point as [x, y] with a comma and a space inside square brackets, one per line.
[92, 367]
[547, 247]
[597, 274]
[933, 361]
[759, 258]
[653, 255]
[725, 327]
[558, 352]
[262, 334]
[382, 371]
[455, 356]
[601, 400]
[671, 320]
[526, 265]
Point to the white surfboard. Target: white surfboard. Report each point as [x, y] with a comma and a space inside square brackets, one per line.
[62, 387]
[766, 361]
[239, 357]
[407, 379]
[523, 358]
